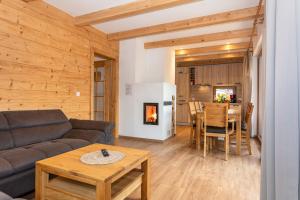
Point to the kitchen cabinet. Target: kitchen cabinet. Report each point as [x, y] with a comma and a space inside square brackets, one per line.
[182, 80]
[203, 75]
[235, 73]
[182, 83]
[182, 113]
[219, 74]
[207, 75]
[199, 75]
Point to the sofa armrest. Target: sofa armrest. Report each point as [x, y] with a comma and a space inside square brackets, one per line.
[106, 127]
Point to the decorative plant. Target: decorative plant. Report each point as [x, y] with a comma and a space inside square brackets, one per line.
[222, 98]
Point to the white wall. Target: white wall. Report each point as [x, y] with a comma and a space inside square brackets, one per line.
[151, 76]
[158, 65]
[127, 77]
[261, 95]
[254, 94]
[258, 82]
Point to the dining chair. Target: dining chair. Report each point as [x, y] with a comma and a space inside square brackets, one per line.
[231, 121]
[246, 128]
[198, 106]
[193, 113]
[216, 125]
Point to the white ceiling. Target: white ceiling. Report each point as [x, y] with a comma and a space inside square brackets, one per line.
[196, 9]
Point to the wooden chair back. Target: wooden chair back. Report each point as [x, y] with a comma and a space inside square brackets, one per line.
[192, 107]
[199, 106]
[249, 112]
[216, 114]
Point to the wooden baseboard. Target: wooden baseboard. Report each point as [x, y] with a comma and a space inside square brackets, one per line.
[141, 139]
[182, 124]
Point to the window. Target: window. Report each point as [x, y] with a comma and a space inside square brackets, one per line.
[228, 92]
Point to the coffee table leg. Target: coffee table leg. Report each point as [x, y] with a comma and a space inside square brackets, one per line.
[103, 191]
[145, 190]
[41, 180]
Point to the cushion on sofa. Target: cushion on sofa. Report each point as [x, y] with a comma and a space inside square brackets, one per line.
[105, 127]
[49, 149]
[73, 143]
[20, 159]
[92, 136]
[32, 135]
[6, 140]
[56, 147]
[6, 168]
[30, 118]
[29, 127]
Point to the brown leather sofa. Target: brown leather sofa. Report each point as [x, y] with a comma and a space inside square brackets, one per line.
[29, 136]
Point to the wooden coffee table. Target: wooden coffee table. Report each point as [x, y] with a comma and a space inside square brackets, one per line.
[65, 177]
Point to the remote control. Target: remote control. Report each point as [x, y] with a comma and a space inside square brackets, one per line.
[104, 152]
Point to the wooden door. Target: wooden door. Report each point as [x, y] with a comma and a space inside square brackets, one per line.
[220, 74]
[235, 73]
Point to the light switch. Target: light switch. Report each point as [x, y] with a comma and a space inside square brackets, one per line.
[78, 94]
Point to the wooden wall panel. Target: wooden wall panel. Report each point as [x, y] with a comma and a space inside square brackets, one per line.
[45, 58]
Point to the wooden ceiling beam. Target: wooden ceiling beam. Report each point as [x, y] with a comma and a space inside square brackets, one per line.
[211, 49]
[243, 33]
[219, 18]
[127, 10]
[210, 62]
[259, 10]
[211, 57]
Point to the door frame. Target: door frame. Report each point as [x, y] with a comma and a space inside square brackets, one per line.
[115, 87]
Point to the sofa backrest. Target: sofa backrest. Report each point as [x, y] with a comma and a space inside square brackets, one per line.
[29, 127]
[6, 139]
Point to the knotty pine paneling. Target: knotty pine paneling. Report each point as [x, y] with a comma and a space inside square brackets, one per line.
[45, 58]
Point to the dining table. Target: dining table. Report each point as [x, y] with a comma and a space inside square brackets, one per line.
[234, 115]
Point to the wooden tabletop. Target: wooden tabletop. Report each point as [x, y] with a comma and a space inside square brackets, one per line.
[68, 164]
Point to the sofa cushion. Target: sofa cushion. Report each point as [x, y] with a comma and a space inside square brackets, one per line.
[6, 140]
[18, 184]
[32, 135]
[29, 127]
[49, 149]
[93, 136]
[20, 159]
[31, 118]
[73, 143]
[106, 127]
[6, 168]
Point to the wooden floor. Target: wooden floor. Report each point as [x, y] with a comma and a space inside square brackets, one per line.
[181, 173]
